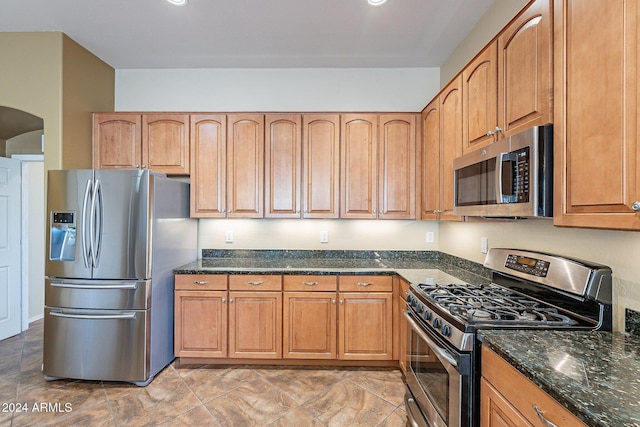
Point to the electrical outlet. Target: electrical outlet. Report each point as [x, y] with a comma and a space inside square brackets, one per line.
[228, 238]
[324, 236]
[484, 245]
[430, 236]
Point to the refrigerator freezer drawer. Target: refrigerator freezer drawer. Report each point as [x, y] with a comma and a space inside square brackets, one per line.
[98, 294]
[106, 345]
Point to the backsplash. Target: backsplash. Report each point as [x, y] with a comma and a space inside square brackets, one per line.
[632, 321]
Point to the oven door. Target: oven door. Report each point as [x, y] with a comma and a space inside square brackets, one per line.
[434, 378]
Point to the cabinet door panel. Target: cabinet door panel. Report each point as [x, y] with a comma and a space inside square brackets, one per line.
[496, 411]
[595, 126]
[450, 144]
[525, 70]
[480, 93]
[209, 165]
[200, 324]
[321, 178]
[431, 160]
[359, 135]
[366, 326]
[397, 170]
[310, 330]
[283, 160]
[117, 140]
[165, 143]
[245, 165]
[255, 325]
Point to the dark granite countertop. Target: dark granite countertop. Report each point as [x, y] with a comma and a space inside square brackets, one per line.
[596, 375]
[413, 266]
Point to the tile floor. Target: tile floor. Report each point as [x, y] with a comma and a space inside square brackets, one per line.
[203, 396]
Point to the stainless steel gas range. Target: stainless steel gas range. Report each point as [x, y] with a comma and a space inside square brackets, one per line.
[527, 290]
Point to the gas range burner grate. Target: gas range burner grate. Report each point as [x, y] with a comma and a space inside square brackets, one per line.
[492, 304]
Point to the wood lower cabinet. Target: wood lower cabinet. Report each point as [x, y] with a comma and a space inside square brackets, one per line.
[508, 398]
[159, 142]
[365, 330]
[200, 317]
[255, 325]
[310, 327]
[400, 331]
[597, 153]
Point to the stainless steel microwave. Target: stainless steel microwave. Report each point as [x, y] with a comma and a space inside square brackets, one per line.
[512, 177]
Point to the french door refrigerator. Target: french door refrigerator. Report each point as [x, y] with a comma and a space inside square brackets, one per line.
[113, 238]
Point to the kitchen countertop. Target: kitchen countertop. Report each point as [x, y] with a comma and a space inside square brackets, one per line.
[596, 375]
[413, 266]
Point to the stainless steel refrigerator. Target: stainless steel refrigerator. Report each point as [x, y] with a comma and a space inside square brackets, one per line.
[113, 238]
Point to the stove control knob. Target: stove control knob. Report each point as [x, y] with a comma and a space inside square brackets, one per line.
[419, 308]
[436, 323]
[446, 330]
[426, 315]
[409, 298]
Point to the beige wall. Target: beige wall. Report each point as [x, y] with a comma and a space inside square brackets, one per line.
[88, 85]
[27, 143]
[498, 15]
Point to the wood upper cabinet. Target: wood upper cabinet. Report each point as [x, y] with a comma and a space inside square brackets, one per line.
[245, 166]
[117, 141]
[450, 145]
[431, 160]
[321, 160]
[359, 166]
[508, 398]
[597, 158]
[165, 143]
[397, 166]
[283, 165]
[208, 165]
[159, 142]
[508, 86]
[480, 98]
[255, 325]
[525, 69]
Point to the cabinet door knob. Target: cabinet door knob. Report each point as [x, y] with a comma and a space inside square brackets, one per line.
[333, 301]
[137, 166]
[490, 133]
[635, 206]
[224, 300]
[230, 300]
[497, 129]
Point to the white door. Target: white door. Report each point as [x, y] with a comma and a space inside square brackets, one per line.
[10, 286]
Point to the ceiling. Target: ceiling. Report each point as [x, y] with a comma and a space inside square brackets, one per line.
[254, 33]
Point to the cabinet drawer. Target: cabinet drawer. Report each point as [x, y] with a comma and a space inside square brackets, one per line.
[366, 283]
[255, 282]
[310, 283]
[201, 282]
[522, 394]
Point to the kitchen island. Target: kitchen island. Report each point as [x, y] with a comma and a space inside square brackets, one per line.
[596, 375]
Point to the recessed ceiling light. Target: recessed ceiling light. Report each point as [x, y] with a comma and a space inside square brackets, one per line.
[180, 2]
[376, 2]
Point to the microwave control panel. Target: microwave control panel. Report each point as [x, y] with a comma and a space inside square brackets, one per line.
[521, 173]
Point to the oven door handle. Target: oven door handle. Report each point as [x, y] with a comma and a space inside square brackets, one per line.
[441, 352]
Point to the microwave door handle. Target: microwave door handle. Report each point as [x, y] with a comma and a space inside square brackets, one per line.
[502, 158]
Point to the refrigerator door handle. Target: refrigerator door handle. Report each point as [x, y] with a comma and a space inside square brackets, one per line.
[95, 225]
[125, 316]
[99, 213]
[125, 286]
[86, 247]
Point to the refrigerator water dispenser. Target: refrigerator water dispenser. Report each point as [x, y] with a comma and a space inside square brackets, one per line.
[63, 236]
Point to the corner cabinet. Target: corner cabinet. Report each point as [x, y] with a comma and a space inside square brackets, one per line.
[597, 157]
[159, 142]
[509, 399]
[441, 143]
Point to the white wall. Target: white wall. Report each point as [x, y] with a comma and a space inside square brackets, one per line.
[289, 89]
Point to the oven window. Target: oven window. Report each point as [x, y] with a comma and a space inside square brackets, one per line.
[431, 374]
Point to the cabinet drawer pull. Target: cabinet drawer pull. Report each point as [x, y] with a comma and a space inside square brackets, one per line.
[255, 283]
[542, 418]
[309, 283]
[206, 282]
[364, 284]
